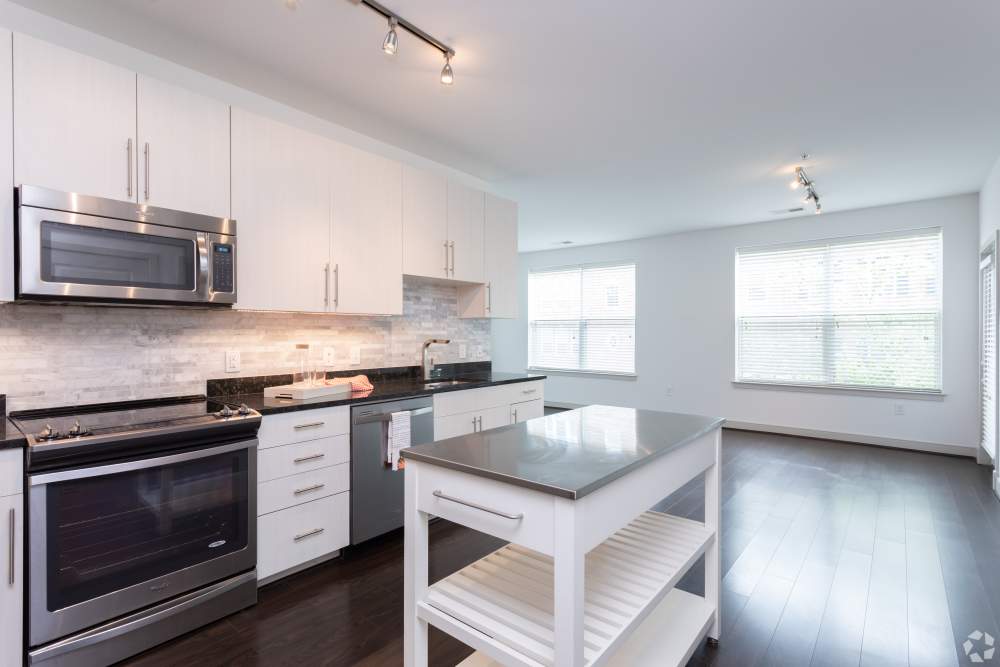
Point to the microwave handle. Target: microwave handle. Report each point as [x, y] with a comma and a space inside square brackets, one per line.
[131, 466]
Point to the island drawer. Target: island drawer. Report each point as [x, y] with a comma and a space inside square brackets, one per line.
[301, 457]
[11, 471]
[302, 425]
[303, 533]
[469, 400]
[284, 492]
[516, 514]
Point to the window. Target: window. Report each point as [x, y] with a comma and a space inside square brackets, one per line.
[859, 312]
[582, 319]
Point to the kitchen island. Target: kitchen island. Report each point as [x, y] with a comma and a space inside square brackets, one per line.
[589, 573]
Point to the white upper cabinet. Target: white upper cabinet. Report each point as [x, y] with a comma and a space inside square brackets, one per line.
[425, 224]
[367, 233]
[183, 149]
[281, 203]
[498, 297]
[465, 232]
[6, 171]
[74, 122]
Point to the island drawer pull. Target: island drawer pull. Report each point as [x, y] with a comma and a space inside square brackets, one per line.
[299, 427]
[313, 457]
[314, 531]
[307, 489]
[475, 506]
[528, 391]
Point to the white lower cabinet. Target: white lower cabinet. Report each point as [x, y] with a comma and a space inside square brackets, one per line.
[302, 457]
[11, 557]
[459, 413]
[298, 535]
[525, 410]
[285, 492]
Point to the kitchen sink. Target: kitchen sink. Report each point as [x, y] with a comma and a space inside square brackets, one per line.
[434, 384]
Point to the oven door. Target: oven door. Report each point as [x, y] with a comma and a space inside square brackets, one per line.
[73, 256]
[108, 540]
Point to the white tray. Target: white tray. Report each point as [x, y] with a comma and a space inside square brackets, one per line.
[303, 392]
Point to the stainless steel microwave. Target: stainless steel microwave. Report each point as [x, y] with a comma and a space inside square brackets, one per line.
[75, 248]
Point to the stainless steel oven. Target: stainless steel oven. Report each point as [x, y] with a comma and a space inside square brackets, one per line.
[111, 539]
[73, 247]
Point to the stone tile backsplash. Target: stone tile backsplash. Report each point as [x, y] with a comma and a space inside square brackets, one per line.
[69, 355]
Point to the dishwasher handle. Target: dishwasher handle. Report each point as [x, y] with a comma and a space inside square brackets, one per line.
[369, 418]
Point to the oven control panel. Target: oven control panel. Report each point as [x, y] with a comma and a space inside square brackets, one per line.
[223, 267]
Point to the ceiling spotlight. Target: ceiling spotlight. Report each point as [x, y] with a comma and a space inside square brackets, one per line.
[292, 4]
[391, 41]
[447, 75]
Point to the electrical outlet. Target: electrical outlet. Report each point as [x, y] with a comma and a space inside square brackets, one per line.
[898, 409]
[329, 356]
[355, 356]
[232, 361]
[463, 351]
[670, 390]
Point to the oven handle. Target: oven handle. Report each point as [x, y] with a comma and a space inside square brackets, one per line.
[129, 466]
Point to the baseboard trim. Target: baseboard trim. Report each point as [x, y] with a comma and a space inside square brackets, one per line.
[857, 438]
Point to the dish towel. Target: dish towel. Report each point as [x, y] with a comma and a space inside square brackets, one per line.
[399, 438]
[357, 382]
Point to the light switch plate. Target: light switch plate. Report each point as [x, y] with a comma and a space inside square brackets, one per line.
[232, 361]
[355, 355]
[898, 409]
[329, 355]
[463, 351]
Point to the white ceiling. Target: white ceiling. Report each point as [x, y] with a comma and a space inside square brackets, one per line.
[612, 120]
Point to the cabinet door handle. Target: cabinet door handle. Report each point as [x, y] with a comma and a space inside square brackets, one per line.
[307, 489]
[336, 285]
[128, 167]
[313, 457]
[10, 550]
[446, 269]
[452, 245]
[489, 297]
[145, 154]
[476, 506]
[326, 285]
[480, 418]
[515, 415]
[299, 427]
[314, 531]
[473, 424]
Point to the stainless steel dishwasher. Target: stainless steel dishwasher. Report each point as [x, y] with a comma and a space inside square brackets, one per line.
[377, 490]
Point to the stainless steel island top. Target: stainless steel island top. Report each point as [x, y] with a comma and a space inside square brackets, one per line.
[569, 454]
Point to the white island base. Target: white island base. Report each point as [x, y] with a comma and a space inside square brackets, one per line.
[585, 581]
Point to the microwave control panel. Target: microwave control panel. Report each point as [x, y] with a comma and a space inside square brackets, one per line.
[223, 267]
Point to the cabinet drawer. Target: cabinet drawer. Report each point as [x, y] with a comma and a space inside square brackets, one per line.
[289, 427]
[11, 471]
[522, 391]
[302, 533]
[284, 492]
[533, 529]
[302, 457]
[458, 402]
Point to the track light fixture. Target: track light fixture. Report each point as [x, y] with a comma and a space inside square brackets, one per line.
[391, 42]
[802, 180]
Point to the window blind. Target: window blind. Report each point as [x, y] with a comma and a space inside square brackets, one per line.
[582, 319]
[987, 352]
[855, 312]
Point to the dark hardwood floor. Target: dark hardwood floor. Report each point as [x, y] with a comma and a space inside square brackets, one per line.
[833, 554]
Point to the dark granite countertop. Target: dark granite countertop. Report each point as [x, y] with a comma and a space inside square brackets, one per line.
[386, 389]
[568, 454]
[10, 436]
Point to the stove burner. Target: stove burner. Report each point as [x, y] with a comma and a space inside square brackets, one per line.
[48, 433]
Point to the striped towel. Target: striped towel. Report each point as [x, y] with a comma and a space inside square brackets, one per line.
[357, 382]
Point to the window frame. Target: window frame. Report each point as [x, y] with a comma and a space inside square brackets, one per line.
[635, 320]
[834, 387]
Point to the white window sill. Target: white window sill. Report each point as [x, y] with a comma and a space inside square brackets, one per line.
[843, 389]
[596, 374]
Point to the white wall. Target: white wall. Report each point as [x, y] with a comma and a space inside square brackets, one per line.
[685, 331]
[989, 205]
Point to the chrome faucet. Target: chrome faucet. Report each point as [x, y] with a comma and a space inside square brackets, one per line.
[429, 367]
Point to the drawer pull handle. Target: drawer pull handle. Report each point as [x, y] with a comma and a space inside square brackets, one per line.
[476, 506]
[314, 487]
[529, 391]
[11, 548]
[299, 427]
[314, 531]
[313, 457]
